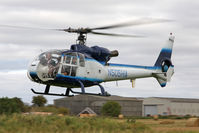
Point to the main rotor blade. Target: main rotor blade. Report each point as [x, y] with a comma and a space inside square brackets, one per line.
[24, 27]
[119, 35]
[35, 28]
[133, 23]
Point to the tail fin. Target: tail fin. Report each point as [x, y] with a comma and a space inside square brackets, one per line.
[164, 63]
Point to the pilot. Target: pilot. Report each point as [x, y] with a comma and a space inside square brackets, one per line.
[53, 65]
[74, 62]
[43, 59]
[48, 56]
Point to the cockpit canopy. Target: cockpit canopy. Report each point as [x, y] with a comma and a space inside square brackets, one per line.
[50, 63]
[50, 58]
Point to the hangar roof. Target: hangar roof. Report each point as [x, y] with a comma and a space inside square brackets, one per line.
[89, 97]
[120, 98]
[184, 100]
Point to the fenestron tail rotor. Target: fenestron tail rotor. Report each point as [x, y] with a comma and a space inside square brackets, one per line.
[83, 31]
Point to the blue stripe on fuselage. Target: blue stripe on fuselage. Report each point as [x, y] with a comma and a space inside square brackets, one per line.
[135, 66]
[80, 78]
[34, 74]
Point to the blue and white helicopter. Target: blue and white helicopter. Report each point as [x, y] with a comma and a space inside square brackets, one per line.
[82, 66]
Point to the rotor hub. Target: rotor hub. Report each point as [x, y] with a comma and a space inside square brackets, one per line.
[81, 39]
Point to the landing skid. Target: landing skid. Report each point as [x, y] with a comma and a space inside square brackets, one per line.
[68, 90]
[52, 94]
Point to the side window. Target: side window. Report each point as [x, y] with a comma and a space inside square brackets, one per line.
[67, 59]
[81, 60]
[70, 56]
[66, 70]
[74, 61]
[69, 66]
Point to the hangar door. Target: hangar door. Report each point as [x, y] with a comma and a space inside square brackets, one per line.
[150, 110]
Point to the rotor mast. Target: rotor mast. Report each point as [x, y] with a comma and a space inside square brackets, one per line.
[81, 39]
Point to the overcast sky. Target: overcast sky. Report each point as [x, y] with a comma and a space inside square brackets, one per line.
[18, 46]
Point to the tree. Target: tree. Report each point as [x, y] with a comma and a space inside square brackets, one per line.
[11, 105]
[20, 104]
[39, 100]
[111, 108]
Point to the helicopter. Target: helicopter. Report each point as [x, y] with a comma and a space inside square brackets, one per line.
[82, 66]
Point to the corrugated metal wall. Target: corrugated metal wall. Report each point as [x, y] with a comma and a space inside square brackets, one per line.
[130, 107]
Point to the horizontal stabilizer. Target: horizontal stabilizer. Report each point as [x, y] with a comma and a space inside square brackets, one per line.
[164, 77]
[169, 73]
[161, 82]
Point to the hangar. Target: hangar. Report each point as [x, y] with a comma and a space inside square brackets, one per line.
[170, 106]
[129, 106]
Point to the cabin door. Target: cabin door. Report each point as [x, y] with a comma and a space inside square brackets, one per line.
[69, 64]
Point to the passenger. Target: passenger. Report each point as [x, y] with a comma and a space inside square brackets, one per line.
[74, 62]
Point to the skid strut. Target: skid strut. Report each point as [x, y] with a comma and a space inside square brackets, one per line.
[103, 92]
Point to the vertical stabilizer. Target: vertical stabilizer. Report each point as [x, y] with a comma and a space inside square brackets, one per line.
[164, 63]
[166, 52]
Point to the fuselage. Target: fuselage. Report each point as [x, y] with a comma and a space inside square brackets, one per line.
[83, 66]
[65, 68]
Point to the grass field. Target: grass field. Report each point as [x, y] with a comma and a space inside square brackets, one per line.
[18, 123]
[179, 126]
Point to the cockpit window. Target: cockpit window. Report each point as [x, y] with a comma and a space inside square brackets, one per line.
[50, 58]
[49, 63]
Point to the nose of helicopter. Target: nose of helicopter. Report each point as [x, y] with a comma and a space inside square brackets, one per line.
[38, 70]
[32, 70]
[45, 66]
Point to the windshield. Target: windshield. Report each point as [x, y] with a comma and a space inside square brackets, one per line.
[49, 63]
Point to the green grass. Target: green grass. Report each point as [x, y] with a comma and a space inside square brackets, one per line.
[19, 123]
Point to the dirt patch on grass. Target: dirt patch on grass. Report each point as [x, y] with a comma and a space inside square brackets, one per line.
[177, 126]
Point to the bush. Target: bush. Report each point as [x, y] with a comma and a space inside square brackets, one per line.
[11, 105]
[111, 108]
[39, 101]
